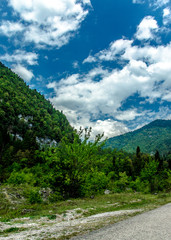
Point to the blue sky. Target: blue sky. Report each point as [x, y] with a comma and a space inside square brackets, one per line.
[105, 64]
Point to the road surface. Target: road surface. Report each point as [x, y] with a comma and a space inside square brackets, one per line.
[152, 225]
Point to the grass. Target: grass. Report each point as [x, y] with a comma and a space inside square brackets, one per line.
[11, 230]
[100, 204]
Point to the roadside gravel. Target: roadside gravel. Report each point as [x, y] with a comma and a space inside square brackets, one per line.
[63, 226]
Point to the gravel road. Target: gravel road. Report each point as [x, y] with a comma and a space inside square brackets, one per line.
[152, 225]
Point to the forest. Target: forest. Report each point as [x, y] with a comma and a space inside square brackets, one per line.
[39, 149]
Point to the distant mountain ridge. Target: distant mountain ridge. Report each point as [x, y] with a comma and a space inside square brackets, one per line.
[154, 136]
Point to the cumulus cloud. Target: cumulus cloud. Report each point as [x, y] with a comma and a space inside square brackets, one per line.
[87, 98]
[152, 3]
[46, 23]
[147, 28]
[166, 12]
[149, 54]
[20, 56]
[167, 16]
[23, 72]
[10, 28]
[115, 49]
[127, 115]
[89, 59]
[159, 3]
[109, 127]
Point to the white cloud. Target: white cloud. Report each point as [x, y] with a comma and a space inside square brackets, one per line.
[167, 96]
[147, 28]
[164, 5]
[23, 72]
[152, 3]
[87, 2]
[75, 64]
[161, 113]
[166, 12]
[20, 56]
[138, 1]
[127, 115]
[85, 100]
[148, 53]
[159, 3]
[166, 16]
[109, 127]
[83, 119]
[97, 72]
[10, 28]
[115, 49]
[46, 23]
[89, 59]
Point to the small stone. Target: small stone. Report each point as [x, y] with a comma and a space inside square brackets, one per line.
[27, 211]
[107, 191]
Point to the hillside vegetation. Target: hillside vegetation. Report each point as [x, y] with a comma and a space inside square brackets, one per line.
[152, 137]
[27, 121]
[24, 111]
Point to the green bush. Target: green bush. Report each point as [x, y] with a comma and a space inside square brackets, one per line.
[55, 197]
[21, 177]
[34, 196]
[121, 184]
[94, 183]
[149, 171]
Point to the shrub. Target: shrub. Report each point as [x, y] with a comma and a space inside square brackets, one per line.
[150, 170]
[21, 177]
[94, 183]
[34, 196]
[55, 197]
[121, 184]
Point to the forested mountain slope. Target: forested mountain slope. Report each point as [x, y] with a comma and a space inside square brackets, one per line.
[152, 137]
[23, 109]
[27, 120]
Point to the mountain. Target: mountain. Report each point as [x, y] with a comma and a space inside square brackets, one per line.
[26, 116]
[29, 126]
[152, 137]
